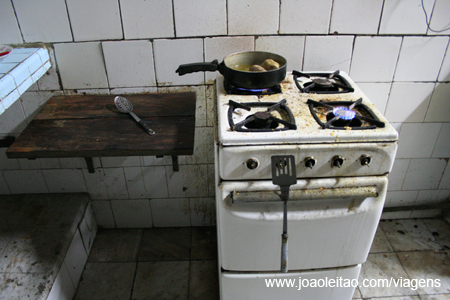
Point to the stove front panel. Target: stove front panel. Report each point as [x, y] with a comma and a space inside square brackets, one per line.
[331, 223]
[254, 162]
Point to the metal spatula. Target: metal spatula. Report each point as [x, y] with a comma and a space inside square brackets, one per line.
[125, 106]
[284, 175]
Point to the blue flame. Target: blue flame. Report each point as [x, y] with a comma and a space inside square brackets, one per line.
[344, 113]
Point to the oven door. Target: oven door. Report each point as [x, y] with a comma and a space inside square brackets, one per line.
[331, 223]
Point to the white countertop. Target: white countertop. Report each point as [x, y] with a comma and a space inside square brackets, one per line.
[18, 71]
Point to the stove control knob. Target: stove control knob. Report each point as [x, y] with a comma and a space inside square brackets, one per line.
[365, 160]
[310, 162]
[337, 161]
[252, 163]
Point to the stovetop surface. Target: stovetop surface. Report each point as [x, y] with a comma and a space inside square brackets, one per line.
[308, 129]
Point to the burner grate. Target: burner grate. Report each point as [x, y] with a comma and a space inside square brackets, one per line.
[321, 83]
[261, 121]
[344, 115]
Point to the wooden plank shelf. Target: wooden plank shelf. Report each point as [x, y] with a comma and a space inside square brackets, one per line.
[91, 126]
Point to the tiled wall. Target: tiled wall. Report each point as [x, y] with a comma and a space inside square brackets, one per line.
[127, 46]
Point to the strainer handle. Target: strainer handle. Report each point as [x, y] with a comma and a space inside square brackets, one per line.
[148, 129]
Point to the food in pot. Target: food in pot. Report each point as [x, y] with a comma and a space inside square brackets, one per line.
[256, 68]
[270, 64]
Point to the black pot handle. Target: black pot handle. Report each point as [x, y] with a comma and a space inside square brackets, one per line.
[198, 67]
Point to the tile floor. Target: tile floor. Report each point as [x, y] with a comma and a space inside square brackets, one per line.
[181, 263]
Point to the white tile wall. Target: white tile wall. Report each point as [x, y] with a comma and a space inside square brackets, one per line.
[305, 17]
[120, 161]
[129, 63]
[147, 19]
[8, 163]
[50, 80]
[114, 180]
[103, 214]
[417, 140]
[169, 54]
[420, 58]
[442, 147]
[13, 120]
[4, 189]
[8, 20]
[424, 174]
[324, 53]
[444, 73]
[397, 175]
[404, 17]
[76, 258]
[132, 213]
[250, 17]
[378, 93]
[290, 47]
[408, 101]
[51, 24]
[81, 65]
[94, 20]
[62, 288]
[202, 211]
[189, 181]
[432, 196]
[155, 182]
[200, 18]
[439, 108]
[172, 212]
[445, 181]
[65, 181]
[354, 16]
[26, 181]
[32, 103]
[439, 19]
[400, 198]
[374, 58]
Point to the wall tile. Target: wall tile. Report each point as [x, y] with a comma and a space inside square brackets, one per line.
[149, 161]
[25, 181]
[32, 103]
[170, 212]
[115, 184]
[211, 180]
[445, 181]
[290, 47]
[51, 24]
[4, 189]
[424, 174]
[397, 175]
[432, 196]
[444, 73]
[400, 198]
[394, 215]
[103, 214]
[354, 16]
[378, 93]
[121, 161]
[202, 211]
[441, 149]
[200, 18]
[325, 53]
[408, 101]
[264, 18]
[309, 20]
[155, 181]
[81, 65]
[94, 20]
[13, 119]
[135, 183]
[147, 19]
[95, 185]
[132, 213]
[420, 58]
[65, 181]
[404, 17]
[129, 63]
[76, 258]
[169, 54]
[189, 181]
[417, 140]
[29, 164]
[50, 80]
[77, 162]
[210, 105]
[8, 20]
[62, 288]
[439, 108]
[220, 47]
[139, 90]
[439, 19]
[8, 163]
[374, 58]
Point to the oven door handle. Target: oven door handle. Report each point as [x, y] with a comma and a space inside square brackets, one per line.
[305, 194]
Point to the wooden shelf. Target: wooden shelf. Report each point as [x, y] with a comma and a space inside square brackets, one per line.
[91, 126]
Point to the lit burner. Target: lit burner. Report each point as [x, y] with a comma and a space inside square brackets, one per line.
[344, 112]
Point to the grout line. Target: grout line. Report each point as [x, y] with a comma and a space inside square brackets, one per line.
[70, 23]
[17, 20]
[121, 20]
[381, 17]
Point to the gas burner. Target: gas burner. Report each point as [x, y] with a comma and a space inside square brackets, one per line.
[344, 115]
[321, 83]
[235, 90]
[261, 121]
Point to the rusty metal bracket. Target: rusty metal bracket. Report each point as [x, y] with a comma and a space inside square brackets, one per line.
[175, 163]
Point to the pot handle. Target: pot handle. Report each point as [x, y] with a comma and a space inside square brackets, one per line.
[198, 67]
